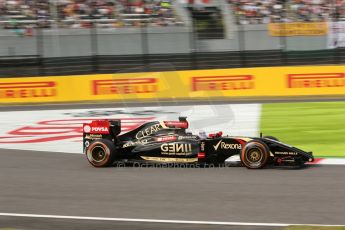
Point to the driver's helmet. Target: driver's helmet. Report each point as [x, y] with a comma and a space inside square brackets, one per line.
[202, 135]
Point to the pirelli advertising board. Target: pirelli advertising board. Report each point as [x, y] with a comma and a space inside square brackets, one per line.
[298, 29]
[180, 85]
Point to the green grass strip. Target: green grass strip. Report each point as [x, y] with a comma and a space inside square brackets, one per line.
[313, 228]
[312, 126]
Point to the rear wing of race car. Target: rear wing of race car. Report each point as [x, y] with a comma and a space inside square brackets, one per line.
[100, 129]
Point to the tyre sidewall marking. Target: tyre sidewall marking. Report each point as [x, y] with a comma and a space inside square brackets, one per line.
[106, 152]
[263, 159]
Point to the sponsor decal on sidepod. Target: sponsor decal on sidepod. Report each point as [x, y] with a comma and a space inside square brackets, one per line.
[148, 131]
[176, 149]
[224, 145]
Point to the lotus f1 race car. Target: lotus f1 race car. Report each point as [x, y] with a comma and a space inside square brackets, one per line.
[169, 142]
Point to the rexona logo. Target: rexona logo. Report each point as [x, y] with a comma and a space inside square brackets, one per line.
[124, 86]
[223, 145]
[176, 149]
[316, 80]
[232, 82]
[28, 89]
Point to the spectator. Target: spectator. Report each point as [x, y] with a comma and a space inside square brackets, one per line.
[266, 11]
[17, 14]
[84, 13]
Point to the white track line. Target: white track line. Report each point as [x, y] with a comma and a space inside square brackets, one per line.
[161, 221]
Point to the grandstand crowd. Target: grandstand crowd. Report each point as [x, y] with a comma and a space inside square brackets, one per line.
[122, 13]
[267, 11]
[82, 13]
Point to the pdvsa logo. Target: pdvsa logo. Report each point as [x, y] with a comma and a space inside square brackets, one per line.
[232, 82]
[99, 129]
[87, 128]
[316, 80]
[96, 129]
[28, 89]
[125, 86]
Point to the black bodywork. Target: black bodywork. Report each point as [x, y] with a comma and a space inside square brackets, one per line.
[169, 142]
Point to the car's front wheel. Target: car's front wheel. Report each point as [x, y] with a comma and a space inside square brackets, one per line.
[255, 154]
[101, 153]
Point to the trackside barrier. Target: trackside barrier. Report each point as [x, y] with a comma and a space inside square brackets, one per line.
[181, 85]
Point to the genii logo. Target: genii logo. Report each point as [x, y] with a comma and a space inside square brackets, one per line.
[177, 149]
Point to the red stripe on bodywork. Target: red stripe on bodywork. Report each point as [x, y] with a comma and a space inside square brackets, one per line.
[316, 161]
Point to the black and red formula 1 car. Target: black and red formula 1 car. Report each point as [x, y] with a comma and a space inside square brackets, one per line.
[169, 142]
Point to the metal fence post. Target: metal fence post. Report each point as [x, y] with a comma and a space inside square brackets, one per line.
[94, 47]
[283, 40]
[40, 50]
[145, 47]
[241, 45]
[283, 47]
[193, 63]
[337, 49]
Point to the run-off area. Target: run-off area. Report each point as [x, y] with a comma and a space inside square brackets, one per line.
[61, 130]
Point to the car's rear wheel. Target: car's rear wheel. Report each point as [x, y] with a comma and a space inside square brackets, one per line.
[255, 154]
[101, 153]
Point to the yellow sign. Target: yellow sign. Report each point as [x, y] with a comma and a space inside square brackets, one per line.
[180, 85]
[298, 29]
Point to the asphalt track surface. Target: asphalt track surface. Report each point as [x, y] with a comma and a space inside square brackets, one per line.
[65, 184]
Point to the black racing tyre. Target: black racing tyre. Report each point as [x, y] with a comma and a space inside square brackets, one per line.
[101, 153]
[272, 138]
[255, 154]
